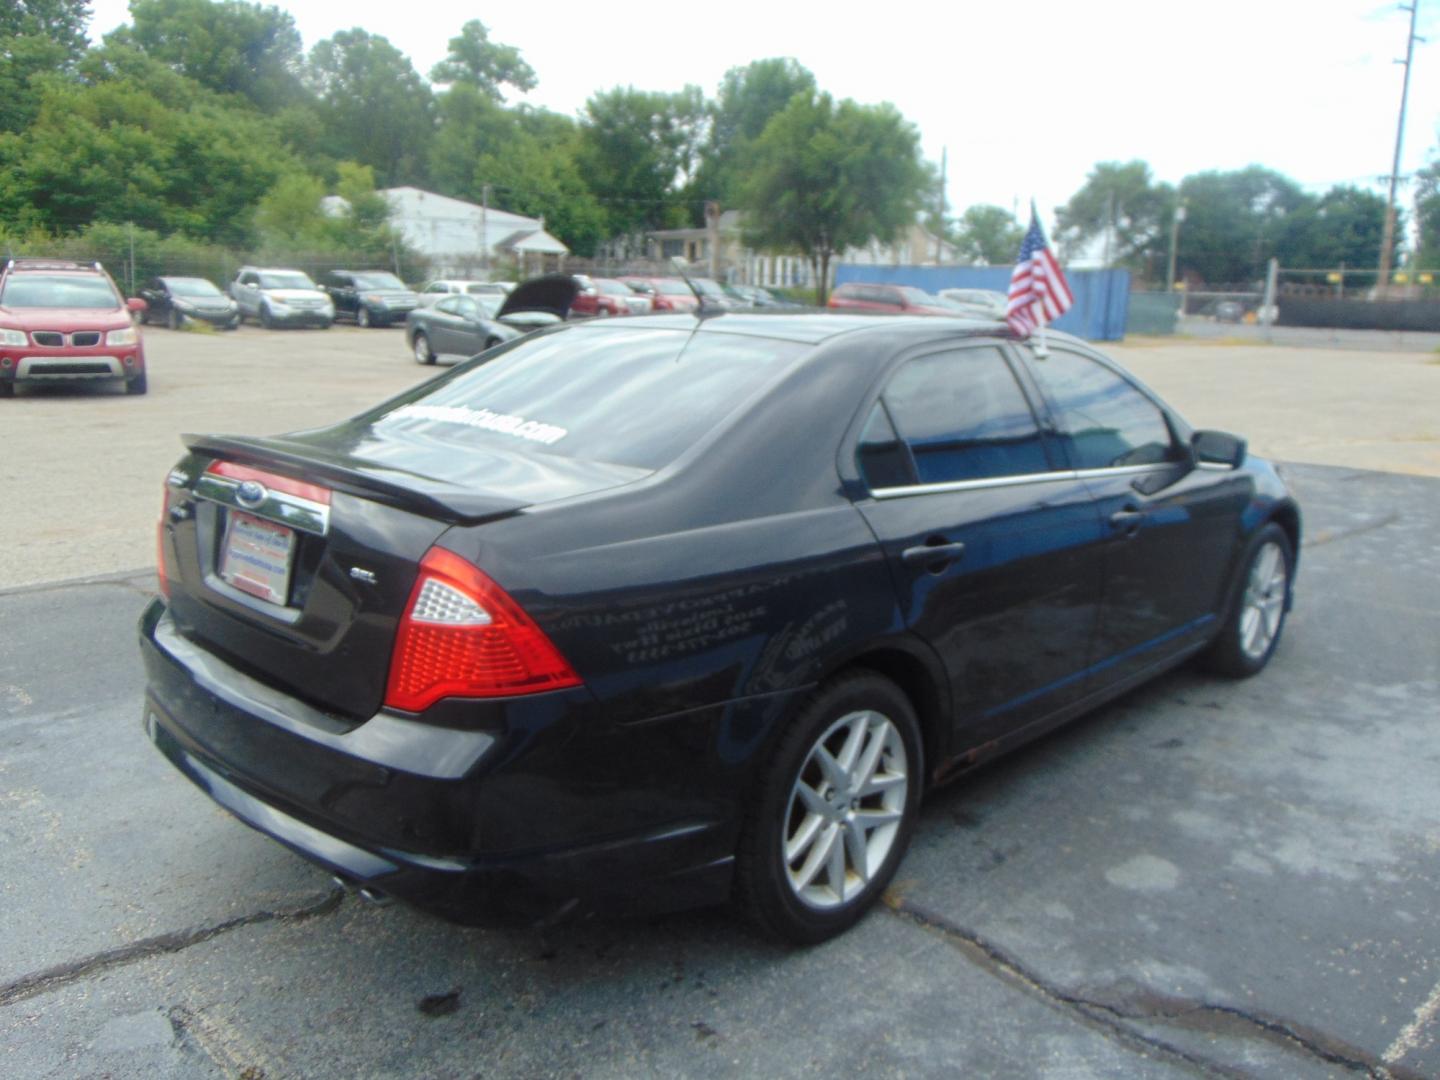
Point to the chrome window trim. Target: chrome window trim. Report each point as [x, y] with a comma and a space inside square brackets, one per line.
[278, 506]
[1025, 478]
[971, 485]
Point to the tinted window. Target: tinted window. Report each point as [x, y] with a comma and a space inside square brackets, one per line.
[964, 417]
[437, 287]
[883, 459]
[451, 305]
[1104, 420]
[378, 280]
[627, 397]
[189, 286]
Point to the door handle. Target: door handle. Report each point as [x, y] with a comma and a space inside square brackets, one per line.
[1127, 521]
[938, 554]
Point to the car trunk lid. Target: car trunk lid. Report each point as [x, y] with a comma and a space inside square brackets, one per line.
[293, 558]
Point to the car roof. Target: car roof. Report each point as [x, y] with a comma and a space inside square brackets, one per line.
[814, 328]
[52, 265]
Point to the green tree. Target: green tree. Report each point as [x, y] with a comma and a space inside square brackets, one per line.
[373, 106]
[61, 21]
[1234, 222]
[1124, 210]
[1427, 215]
[38, 38]
[749, 96]
[634, 147]
[230, 47]
[487, 65]
[138, 143]
[1345, 225]
[988, 235]
[826, 177]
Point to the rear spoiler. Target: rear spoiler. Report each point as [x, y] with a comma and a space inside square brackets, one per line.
[402, 490]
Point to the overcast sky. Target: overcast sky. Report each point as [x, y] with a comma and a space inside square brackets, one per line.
[1026, 97]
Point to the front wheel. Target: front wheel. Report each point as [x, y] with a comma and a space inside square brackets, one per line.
[172, 319]
[421, 345]
[362, 317]
[137, 385]
[1256, 615]
[266, 319]
[834, 811]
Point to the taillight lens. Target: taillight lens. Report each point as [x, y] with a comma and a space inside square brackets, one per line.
[161, 571]
[462, 636]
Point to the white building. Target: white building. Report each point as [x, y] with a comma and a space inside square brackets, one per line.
[464, 240]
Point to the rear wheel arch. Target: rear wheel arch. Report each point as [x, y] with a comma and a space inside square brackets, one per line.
[920, 681]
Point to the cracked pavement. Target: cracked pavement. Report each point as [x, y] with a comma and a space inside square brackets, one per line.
[1205, 879]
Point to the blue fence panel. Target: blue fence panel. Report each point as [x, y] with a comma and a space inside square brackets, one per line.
[1102, 297]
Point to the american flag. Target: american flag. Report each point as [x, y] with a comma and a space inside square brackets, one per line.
[1039, 292]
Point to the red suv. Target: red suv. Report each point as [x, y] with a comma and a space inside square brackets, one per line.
[66, 321]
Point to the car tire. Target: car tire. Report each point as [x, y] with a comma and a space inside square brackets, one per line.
[421, 348]
[172, 319]
[7, 388]
[830, 818]
[136, 385]
[266, 319]
[1255, 615]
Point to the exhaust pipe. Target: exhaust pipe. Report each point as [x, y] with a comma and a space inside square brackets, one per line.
[367, 893]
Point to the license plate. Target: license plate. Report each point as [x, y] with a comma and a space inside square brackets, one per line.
[257, 555]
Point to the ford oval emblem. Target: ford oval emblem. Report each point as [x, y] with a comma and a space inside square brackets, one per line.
[251, 493]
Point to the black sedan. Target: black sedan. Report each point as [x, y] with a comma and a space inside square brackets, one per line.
[176, 301]
[464, 324]
[662, 611]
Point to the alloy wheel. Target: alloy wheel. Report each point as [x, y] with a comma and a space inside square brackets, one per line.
[1263, 606]
[845, 809]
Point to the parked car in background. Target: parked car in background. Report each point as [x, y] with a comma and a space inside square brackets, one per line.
[665, 294]
[464, 324]
[281, 298]
[713, 295]
[176, 301]
[434, 290]
[369, 297]
[601, 297]
[982, 302]
[1231, 311]
[63, 321]
[554, 630]
[755, 297]
[896, 299]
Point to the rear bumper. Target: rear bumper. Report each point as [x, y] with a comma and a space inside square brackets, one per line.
[439, 817]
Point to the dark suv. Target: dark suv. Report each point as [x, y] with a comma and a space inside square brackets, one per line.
[66, 321]
[370, 297]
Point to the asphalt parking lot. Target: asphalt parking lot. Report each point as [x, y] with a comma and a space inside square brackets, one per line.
[1205, 879]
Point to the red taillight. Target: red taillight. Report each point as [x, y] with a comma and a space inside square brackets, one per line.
[462, 636]
[160, 570]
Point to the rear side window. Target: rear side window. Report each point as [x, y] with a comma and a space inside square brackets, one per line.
[1105, 421]
[637, 398]
[963, 416]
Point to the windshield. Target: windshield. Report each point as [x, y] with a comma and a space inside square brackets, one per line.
[636, 398]
[58, 291]
[285, 279]
[613, 288]
[673, 288]
[378, 281]
[191, 286]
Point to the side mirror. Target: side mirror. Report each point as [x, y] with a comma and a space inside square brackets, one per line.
[136, 304]
[1218, 448]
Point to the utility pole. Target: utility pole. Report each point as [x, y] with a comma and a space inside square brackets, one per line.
[1175, 221]
[1387, 241]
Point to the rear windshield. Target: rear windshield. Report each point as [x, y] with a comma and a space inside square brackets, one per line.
[29, 290]
[637, 398]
